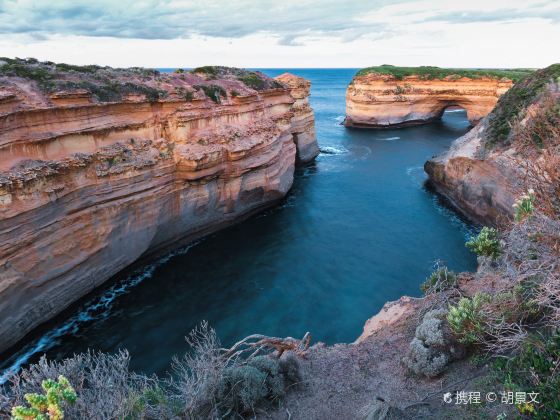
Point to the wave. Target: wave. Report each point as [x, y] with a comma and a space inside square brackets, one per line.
[390, 138]
[333, 150]
[96, 309]
[416, 174]
[454, 110]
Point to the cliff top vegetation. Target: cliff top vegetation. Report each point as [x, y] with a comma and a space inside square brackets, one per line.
[107, 84]
[512, 107]
[430, 72]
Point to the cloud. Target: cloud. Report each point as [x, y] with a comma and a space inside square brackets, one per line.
[291, 23]
[169, 19]
[545, 10]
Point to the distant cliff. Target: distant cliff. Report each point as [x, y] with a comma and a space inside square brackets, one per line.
[514, 148]
[388, 96]
[101, 166]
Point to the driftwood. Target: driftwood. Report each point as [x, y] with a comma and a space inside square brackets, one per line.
[258, 343]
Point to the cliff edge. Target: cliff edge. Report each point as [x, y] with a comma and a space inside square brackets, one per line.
[101, 166]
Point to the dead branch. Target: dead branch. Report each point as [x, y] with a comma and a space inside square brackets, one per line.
[257, 343]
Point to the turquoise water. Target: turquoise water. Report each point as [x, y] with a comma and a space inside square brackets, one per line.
[359, 228]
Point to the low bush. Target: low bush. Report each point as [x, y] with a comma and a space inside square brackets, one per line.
[432, 347]
[466, 319]
[486, 243]
[208, 382]
[524, 206]
[512, 105]
[536, 369]
[49, 405]
[253, 81]
[441, 279]
[214, 92]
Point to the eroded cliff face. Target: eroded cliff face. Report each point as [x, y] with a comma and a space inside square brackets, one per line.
[481, 184]
[485, 171]
[381, 100]
[88, 186]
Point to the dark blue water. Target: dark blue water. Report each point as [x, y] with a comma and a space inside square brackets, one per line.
[359, 228]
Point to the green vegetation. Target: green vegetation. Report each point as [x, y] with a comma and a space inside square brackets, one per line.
[535, 369]
[214, 92]
[486, 243]
[102, 82]
[185, 94]
[253, 81]
[441, 279]
[513, 104]
[47, 406]
[211, 71]
[78, 69]
[466, 319]
[524, 206]
[25, 68]
[429, 72]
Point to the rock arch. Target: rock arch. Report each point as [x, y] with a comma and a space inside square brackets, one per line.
[381, 101]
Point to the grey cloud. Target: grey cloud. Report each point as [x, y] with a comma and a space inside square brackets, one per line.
[503, 15]
[165, 19]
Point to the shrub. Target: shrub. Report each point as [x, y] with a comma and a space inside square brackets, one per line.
[214, 92]
[513, 104]
[209, 383]
[486, 243]
[211, 71]
[57, 394]
[253, 81]
[178, 71]
[105, 386]
[185, 94]
[466, 319]
[535, 369]
[432, 347]
[524, 206]
[441, 279]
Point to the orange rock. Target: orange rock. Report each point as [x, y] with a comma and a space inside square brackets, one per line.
[381, 101]
[87, 188]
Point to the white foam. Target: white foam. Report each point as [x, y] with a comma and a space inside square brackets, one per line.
[98, 308]
[390, 139]
[333, 150]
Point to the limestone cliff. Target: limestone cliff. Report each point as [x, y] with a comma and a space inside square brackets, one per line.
[387, 96]
[486, 169]
[100, 166]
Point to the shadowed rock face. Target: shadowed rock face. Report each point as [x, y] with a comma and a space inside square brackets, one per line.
[88, 186]
[485, 170]
[483, 188]
[382, 101]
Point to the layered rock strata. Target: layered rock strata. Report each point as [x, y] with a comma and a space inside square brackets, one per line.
[91, 182]
[383, 101]
[486, 170]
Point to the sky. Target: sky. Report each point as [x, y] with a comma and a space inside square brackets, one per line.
[283, 33]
